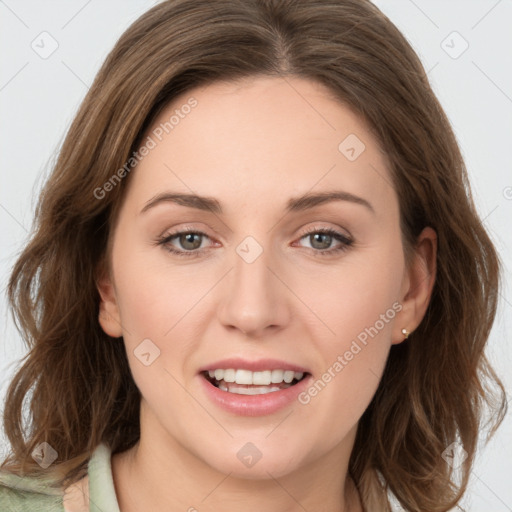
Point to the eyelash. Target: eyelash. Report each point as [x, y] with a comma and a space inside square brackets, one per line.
[346, 242]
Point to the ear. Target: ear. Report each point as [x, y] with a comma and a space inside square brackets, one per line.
[417, 285]
[109, 317]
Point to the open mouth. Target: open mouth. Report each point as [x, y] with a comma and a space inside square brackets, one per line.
[245, 382]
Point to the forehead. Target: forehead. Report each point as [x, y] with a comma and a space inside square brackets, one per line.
[264, 135]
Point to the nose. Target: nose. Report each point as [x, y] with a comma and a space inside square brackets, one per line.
[255, 300]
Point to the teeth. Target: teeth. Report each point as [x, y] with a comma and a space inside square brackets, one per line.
[263, 378]
[288, 376]
[277, 376]
[229, 375]
[242, 376]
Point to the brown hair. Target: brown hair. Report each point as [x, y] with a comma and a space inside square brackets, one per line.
[435, 384]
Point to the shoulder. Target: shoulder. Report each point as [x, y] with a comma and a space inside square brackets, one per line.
[28, 494]
[31, 494]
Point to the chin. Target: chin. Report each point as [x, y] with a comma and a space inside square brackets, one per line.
[249, 463]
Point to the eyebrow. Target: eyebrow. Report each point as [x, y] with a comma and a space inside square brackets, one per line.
[295, 204]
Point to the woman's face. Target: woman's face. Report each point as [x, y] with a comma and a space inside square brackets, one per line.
[251, 270]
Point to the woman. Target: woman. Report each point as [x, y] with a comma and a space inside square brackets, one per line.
[261, 280]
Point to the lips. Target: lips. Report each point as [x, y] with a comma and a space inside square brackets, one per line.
[252, 400]
[252, 387]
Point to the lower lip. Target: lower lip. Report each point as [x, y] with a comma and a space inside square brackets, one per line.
[254, 405]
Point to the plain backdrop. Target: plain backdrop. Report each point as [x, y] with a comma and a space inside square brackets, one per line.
[465, 45]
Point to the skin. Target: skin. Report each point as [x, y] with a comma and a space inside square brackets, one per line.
[252, 145]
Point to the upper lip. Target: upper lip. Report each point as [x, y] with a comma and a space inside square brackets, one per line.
[254, 366]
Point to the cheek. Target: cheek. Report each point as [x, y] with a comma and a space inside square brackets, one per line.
[154, 301]
[155, 297]
[356, 294]
[156, 304]
[350, 374]
[361, 311]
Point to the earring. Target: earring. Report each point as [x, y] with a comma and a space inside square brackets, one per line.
[405, 332]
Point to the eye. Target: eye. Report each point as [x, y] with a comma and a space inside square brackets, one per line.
[321, 240]
[189, 242]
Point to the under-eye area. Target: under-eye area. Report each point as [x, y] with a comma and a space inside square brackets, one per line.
[246, 382]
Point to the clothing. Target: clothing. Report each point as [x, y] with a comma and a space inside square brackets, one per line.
[93, 493]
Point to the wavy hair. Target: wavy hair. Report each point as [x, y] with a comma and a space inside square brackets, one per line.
[437, 386]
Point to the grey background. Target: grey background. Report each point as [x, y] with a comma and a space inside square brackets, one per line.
[39, 97]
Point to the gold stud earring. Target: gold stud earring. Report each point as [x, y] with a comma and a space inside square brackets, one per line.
[405, 332]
